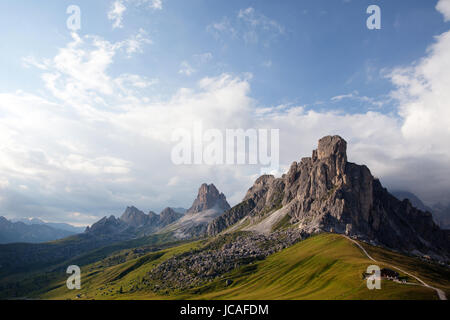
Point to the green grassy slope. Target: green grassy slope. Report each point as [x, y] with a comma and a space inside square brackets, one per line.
[326, 266]
[105, 278]
[432, 274]
[27, 284]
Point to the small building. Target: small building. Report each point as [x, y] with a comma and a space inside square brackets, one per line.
[389, 274]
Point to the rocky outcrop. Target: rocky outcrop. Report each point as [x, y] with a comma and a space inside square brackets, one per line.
[208, 205]
[325, 192]
[136, 218]
[135, 222]
[208, 198]
[108, 226]
[168, 216]
[220, 256]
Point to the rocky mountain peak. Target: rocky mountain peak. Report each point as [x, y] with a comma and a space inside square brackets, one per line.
[107, 225]
[169, 215]
[134, 217]
[327, 193]
[208, 198]
[332, 146]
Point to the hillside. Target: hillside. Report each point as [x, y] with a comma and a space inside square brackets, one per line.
[325, 266]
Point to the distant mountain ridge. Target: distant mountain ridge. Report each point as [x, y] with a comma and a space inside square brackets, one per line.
[441, 213]
[56, 225]
[13, 232]
[415, 201]
[135, 222]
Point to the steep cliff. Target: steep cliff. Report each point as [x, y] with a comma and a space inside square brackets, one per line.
[325, 192]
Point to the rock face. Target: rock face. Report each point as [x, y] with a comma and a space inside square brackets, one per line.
[220, 256]
[168, 216]
[135, 222]
[208, 205]
[208, 197]
[327, 193]
[136, 218]
[108, 226]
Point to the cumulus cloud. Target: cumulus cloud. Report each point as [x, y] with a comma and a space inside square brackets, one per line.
[94, 143]
[424, 98]
[443, 6]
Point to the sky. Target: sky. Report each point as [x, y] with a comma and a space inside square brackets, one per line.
[87, 115]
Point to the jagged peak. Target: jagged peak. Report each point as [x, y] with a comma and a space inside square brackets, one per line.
[208, 197]
[167, 210]
[264, 179]
[208, 188]
[330, 146]
[152, 214]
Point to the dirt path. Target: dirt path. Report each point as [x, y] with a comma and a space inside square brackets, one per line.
[440, 293]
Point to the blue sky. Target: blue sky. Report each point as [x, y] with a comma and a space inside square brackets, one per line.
[323, 49]
[85, 116]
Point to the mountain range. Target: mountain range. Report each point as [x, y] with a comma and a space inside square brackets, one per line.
[209, 204]
[441, 213]
[323, 197]
[56, 225]
[34, 231]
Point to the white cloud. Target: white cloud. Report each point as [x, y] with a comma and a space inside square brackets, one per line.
[342, 97]
[186, 69]
[134, 44]
[118, 8]
[155, 4]
[116, 13]
[130, 81]
[443, 6]
[255, 19]
[355, 96]
[424, 99]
